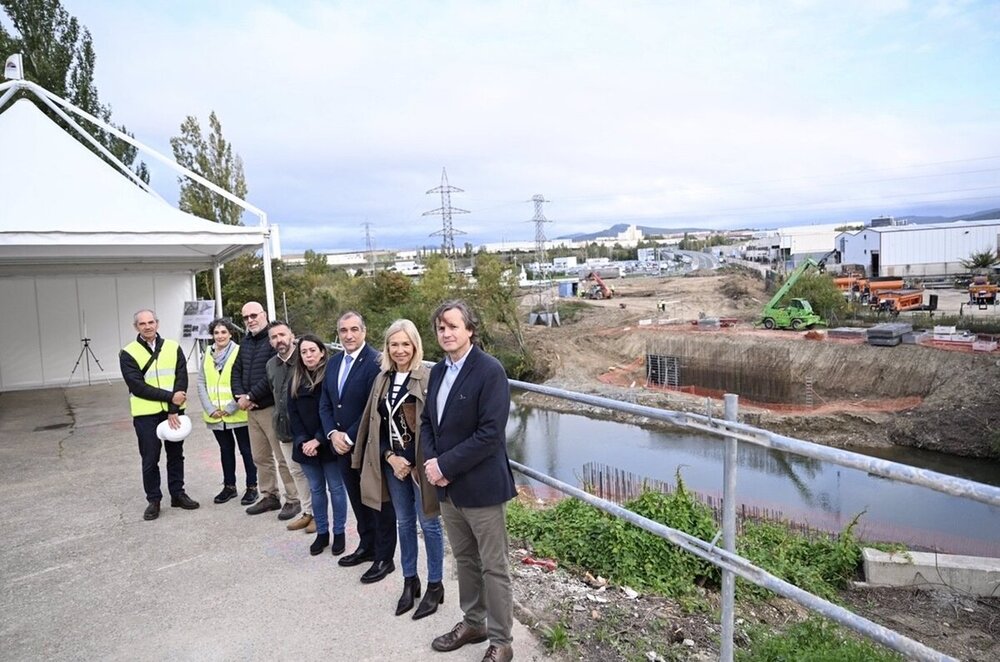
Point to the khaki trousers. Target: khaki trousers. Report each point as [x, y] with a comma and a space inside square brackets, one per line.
[478, 538]
[268, 456]
[301, 482]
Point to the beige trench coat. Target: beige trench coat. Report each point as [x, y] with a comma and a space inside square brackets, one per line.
[366, 455]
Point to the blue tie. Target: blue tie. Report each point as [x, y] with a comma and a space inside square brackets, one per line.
[343, 376]
[446, 382]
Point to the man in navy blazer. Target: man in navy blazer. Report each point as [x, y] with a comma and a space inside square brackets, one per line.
[463, 433]
[348, 381]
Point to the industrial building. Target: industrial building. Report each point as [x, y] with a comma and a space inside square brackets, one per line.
[932, 249]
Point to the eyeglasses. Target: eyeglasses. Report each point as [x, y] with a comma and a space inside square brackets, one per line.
[251, 316]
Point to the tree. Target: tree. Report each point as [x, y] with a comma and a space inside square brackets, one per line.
[982, 260]
[59, 55]
[214, 159]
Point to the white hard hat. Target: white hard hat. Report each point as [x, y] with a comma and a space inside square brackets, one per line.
[167, 433]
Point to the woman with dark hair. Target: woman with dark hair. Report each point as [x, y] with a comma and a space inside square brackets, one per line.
[222, 414]
[391, 460]
[311, 449]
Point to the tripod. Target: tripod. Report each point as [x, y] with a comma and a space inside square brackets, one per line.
[86, 353]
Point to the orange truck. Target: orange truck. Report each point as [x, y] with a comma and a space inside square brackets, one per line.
[867, 289]
[898, 301]
[982, 292]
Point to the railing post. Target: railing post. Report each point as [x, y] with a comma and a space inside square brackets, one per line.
[729, 533]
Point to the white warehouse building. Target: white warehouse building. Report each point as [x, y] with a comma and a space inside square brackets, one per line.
[933, 249]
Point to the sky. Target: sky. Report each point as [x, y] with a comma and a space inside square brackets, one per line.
[669, 114]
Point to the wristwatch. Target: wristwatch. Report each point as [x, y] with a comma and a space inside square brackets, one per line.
[387, 455]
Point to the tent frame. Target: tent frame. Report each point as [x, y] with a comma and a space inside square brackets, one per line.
[57, 104]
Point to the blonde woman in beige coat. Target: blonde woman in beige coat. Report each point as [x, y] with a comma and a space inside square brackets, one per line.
[391, 460]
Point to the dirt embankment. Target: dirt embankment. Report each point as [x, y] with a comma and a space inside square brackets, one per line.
[833, 392]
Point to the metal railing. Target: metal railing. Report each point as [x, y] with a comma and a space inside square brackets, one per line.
[733, 565]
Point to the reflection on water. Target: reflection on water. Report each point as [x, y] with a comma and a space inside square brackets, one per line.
[806, 490]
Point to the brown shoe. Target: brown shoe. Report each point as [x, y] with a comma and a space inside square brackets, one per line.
[499, 653]
[460, 635]
[312, 526]
[300, 522]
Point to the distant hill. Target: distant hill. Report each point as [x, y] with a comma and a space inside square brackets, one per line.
[985, 215]
[614, 230]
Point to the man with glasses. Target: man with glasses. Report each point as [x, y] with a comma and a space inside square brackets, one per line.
[253, 394]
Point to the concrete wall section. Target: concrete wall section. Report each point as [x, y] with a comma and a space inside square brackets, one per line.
[972, 575]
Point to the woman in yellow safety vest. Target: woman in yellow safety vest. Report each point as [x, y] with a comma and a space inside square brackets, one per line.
[221, 413]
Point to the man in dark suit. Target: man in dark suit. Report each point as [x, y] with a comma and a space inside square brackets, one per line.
[463, 432]
[348, 381]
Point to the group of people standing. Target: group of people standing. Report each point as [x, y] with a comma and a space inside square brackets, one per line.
[402, 443]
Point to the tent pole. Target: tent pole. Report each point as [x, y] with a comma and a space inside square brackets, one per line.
[217, 281]
[96, 145]
[170, 163]
[7, 95]
[268, 280]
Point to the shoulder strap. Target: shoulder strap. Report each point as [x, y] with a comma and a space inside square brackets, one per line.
[152, 358]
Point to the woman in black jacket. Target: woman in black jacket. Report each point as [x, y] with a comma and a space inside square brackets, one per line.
[311, 449]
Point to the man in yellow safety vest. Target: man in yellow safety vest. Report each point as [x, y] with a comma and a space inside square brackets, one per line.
[155, 372]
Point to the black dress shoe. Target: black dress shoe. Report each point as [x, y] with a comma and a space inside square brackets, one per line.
[228, 492]
[338, 544]
[411, 590]
[433, 598]
[152, 511]
[182, 500]
[357, 557]
[250, 496]
[318, 545]
[378, 572]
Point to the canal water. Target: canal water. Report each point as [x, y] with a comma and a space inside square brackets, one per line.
[803, 490]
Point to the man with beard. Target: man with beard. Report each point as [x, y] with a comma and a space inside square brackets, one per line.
[253, 394]
[279, 370]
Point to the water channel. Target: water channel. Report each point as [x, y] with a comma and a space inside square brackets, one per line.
[801, 489]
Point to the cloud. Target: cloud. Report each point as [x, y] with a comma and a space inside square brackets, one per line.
[641, 110]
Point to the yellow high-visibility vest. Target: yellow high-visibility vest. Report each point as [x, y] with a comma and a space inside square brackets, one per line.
[160, 375]
[220, 387]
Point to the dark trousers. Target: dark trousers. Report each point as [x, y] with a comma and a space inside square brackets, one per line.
[228, 439]
[149, 451]
[376, 528]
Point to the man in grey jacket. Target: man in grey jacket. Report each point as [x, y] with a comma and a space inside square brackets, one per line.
[279, 372]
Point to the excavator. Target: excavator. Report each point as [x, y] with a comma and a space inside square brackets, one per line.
[797, 314]
[599, 290]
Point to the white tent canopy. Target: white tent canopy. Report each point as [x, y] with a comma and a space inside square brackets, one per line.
[82, 247]
[62, 206]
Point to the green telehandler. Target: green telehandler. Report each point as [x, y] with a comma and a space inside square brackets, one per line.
[797, 314]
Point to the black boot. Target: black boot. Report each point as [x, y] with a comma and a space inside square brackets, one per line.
[411, 590]
[432, 598]
[318, 545]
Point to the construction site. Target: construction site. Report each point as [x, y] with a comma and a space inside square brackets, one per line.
[680, 342]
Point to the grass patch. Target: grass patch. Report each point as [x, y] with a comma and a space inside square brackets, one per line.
[813, 640]
[582, 536]
[569, 310]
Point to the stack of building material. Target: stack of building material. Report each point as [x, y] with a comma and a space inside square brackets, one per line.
[915, 337]
[889, 334]
[854, 333]
[984, 346]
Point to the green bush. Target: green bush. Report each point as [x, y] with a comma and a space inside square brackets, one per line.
[583, 536]
[813, 640]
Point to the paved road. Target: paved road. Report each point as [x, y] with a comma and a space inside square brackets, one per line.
[85, 578]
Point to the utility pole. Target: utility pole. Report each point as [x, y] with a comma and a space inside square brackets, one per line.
[445, 211]
[539, 220]
[543, 313]
[369, 248]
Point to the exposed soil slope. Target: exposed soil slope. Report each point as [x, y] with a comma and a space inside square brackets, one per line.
[839, 393]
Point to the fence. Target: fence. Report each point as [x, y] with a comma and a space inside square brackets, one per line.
[725, 557]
